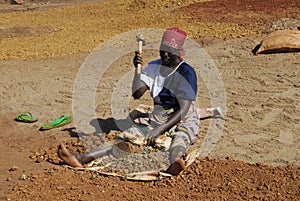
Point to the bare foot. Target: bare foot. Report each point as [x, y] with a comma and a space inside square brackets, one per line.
[67, 157]
[176, 167]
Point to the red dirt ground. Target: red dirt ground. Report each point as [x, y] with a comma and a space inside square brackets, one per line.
[243, 12]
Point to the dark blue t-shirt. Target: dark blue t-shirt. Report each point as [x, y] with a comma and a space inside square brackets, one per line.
[180, 84]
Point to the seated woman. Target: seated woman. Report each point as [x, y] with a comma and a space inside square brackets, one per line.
[172, 83]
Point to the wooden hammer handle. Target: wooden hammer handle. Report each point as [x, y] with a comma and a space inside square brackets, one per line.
[139, 67]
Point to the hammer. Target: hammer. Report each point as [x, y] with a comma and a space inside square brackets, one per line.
[141, 40]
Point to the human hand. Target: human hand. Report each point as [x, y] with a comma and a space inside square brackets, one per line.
[152, 136]
[138, 59]
[134, 114]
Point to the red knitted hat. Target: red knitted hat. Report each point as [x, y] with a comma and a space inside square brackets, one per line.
[174, 37]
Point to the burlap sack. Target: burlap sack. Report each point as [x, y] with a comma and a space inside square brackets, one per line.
[280, 41]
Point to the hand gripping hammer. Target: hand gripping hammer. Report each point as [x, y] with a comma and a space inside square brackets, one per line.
[141, 40]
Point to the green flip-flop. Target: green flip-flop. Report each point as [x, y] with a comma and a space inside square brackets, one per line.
[26, 117]
[60, 121]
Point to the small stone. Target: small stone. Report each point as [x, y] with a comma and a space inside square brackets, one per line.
[208, 158]
[23, 177]
[228, 158]
[14, 168]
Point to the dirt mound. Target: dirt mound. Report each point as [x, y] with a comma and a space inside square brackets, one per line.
[247, 12]
[24, 31]
[204, 179]
[222, 19]
[144, 4]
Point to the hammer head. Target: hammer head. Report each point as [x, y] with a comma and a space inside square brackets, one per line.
[140, 37]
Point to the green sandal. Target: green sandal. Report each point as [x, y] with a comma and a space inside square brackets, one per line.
[60, 121]
[26, 117]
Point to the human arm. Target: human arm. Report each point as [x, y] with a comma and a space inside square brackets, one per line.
[175, 118]
[138, 86]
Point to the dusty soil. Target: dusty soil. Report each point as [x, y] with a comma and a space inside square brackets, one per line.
[43, 45]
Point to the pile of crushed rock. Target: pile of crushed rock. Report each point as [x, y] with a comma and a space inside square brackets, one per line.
[283, 24]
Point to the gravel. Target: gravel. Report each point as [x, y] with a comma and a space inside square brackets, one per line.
[283, 24]
[126, 157]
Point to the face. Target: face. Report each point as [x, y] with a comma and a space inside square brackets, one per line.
[169, 56]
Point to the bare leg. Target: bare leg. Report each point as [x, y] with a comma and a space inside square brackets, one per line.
[67, 157]
[77, 160]
[177, 163]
